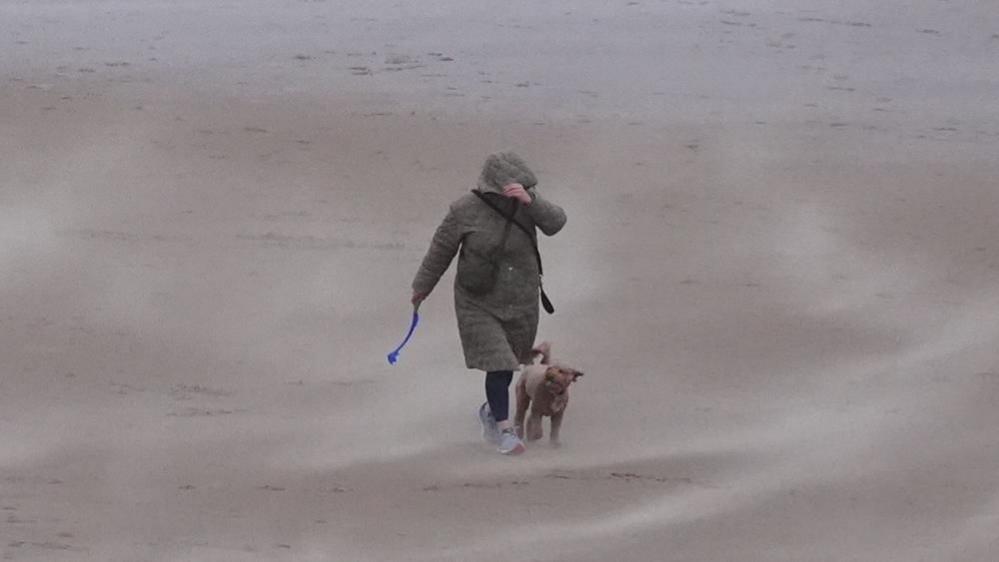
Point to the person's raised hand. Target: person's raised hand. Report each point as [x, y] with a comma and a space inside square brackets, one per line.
[517, 191]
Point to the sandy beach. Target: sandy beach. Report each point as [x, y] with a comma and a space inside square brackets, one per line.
[780, 274]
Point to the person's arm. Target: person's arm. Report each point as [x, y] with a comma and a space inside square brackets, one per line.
[442, 250]
[549, 217]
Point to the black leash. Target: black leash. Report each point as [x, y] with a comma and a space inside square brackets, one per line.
[545, 301]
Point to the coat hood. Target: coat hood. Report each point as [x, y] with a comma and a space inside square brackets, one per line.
[503, 168]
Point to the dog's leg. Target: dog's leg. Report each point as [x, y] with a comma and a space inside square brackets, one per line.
[523, 402]
[556, 426]
[534, 429]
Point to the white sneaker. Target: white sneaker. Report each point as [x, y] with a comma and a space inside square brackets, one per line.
[510, 444]
[490, 433]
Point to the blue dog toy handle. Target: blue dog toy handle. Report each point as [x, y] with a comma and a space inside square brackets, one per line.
[394, 356]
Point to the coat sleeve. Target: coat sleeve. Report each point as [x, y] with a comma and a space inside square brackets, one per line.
[442, 250]
[549, 217]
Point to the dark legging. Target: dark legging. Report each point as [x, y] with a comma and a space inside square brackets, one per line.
[498, 393]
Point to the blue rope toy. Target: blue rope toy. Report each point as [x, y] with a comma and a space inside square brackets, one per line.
[394, 356]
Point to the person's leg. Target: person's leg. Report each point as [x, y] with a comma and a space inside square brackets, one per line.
[495, 392]
[498, 396]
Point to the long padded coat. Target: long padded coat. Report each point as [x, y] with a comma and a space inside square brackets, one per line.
[497, 328]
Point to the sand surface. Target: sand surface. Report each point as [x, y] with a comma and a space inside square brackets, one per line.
[780, 274]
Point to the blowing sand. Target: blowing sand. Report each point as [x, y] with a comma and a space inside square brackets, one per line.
[779, 274]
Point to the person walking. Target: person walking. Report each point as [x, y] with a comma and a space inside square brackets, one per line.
[498, 281]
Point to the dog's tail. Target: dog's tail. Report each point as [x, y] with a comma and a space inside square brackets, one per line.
[544, 349]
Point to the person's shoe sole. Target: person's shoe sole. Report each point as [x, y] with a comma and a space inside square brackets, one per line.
[520, 448]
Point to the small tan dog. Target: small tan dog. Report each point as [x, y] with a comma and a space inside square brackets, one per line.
[544, 388]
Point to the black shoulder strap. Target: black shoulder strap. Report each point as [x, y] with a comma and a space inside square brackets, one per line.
[545, 301]
[534, 243]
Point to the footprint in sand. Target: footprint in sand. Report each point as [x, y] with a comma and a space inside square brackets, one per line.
[441, 57]
[781, 43]
[398, 60]
[124, 388]
[201, 413]
[836, 22]
[46, 545]
[188, 391]
[630, 476]
[15, 520]
[272, 239]
[396, 63]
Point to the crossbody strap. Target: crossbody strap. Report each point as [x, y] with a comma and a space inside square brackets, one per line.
[530, 236]
[545, 301]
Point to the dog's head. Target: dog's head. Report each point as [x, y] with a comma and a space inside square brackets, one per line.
[559, 377]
